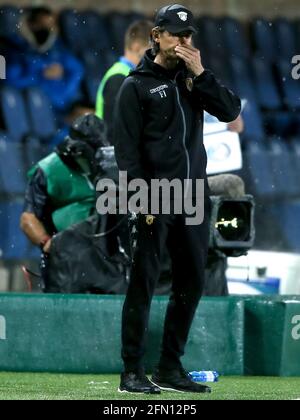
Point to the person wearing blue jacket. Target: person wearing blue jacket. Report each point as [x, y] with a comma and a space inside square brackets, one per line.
[40, 59]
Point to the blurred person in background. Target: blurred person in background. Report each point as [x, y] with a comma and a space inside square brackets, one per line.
[137, 40]
[40, 59]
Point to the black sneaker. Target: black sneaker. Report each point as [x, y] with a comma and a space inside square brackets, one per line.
[137, 382]
[177, 380]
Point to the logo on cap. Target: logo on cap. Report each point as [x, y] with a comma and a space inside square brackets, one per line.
[182, 16]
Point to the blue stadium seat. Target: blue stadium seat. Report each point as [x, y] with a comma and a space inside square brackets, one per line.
[11, 168]
[235, 38]
[221, 70]
[297, 33]
[117, 24]
[284, 172]
[2, 230]
[200, 42]
[95, 31]
[290, 87]
[264, 39]
[95, 64]
[268, 95]
[254, 128]
[42, 119]
[289, 221]
[257, 163]
[285, 36]
[9, 20]
[33, 152]
[134, 16]
[73, 30]
[14, 113]
[279, 123]
[212, 35]
[14, 244]
[243, 78]
[295, 150]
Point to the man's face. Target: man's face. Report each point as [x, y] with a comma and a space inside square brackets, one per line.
[168, 42]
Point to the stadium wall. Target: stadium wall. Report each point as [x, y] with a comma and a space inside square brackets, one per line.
[81, 333]
[242, 9]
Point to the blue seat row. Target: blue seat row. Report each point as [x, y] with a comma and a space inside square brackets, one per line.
[272, 169]
[13, 244]
[29, 114]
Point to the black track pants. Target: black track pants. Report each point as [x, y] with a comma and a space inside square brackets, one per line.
[188, 246]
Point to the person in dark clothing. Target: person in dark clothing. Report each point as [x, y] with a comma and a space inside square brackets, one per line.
[158, 133]
[137, 41]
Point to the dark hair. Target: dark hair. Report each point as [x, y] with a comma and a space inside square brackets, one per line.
[35, 12]
[139, 30]
[155, 45]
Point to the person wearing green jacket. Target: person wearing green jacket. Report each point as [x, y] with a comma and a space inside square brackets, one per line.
[61, 190]
[137, 40]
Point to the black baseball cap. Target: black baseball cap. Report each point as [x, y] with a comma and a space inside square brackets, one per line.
[175, 19]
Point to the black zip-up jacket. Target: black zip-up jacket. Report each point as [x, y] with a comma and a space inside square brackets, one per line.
[158, 122]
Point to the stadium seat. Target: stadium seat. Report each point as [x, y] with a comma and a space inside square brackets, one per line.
[117, 24]
[11, 168]
[14, 113]
[279, 123]
[33, 152]
[14, 244]
[297, 33]
[73, 31]
[289, 222]
[134, 16]
[285, 176]
[95, 64]
[212, 35]
[41, 116]
[290, 88]
[294, 145]
[264, 39]
[268, 95]
[9, 20]
[285, 36]
[243, 78]
[236, 42]
[221, 69]
[257, 163]
[95, 30]
[254, 128]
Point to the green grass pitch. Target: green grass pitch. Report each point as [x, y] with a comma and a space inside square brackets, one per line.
[46, 386]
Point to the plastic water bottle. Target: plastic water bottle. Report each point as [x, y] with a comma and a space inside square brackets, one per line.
[204, 376]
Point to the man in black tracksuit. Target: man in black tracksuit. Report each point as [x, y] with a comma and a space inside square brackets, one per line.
[159, 134]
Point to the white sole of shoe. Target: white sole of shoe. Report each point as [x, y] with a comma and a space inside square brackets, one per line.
[137, 393]
[167, 389]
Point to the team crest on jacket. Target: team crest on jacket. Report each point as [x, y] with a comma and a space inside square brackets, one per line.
[182, 16]
[189, 83]
[150, 219]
